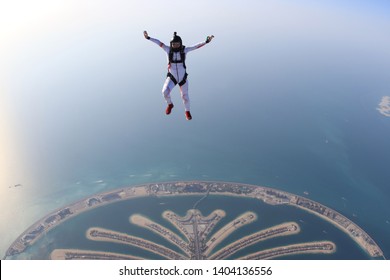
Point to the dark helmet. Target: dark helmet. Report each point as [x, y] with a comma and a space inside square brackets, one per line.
[176, 39]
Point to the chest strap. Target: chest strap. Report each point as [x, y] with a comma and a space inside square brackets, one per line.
[182, 57]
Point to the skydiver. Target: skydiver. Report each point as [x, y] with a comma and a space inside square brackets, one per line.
[177, 74]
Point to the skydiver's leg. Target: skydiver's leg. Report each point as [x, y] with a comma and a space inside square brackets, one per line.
[166, 90]
[184, 96]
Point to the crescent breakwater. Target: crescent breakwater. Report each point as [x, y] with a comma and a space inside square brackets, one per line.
[184, 188]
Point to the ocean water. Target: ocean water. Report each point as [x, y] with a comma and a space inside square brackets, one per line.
[334, 148]
[337, 150]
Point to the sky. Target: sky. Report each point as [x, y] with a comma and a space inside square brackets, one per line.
[82, 66]
[60, 36]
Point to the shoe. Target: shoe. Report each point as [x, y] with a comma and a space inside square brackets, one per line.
[169, 109]
[188, 115]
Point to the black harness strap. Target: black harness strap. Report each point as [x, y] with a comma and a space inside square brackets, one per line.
[175, 81]
[182, 60]
[184, 79]
[172, 78]
[182, 57]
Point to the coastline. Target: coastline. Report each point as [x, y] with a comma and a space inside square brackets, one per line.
[189, 188]
[328, 248]
[283, 229]
[64, 254]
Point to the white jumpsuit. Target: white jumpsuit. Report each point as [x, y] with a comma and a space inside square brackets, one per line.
[178, 71]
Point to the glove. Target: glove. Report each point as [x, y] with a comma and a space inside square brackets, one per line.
[209, 38]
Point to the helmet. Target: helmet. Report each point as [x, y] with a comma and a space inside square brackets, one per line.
[176, 39]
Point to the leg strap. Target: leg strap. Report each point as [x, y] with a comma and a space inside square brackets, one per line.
[172, 78]
[184, 79]
[175, 81]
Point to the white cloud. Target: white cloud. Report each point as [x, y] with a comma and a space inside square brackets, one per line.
[384, 106]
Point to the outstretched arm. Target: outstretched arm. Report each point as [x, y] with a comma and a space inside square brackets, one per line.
[156, 41]
[199, 45]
